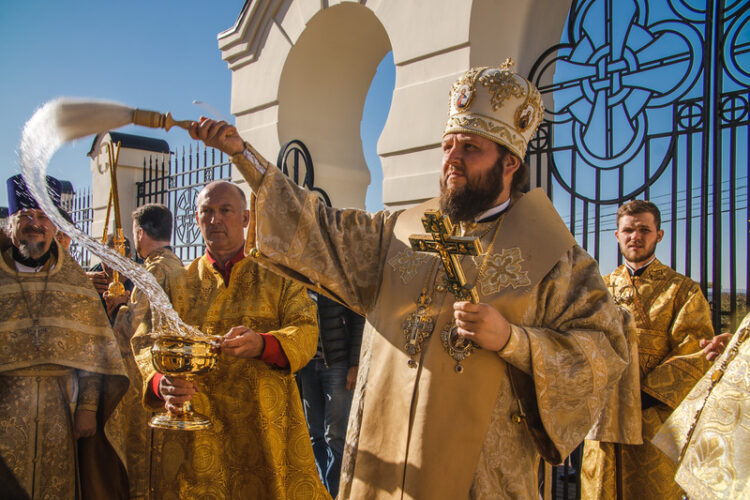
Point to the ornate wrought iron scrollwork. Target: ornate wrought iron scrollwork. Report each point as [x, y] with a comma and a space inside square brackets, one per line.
[294, 159]
[651, 98]
[187, 231]
[620, 65]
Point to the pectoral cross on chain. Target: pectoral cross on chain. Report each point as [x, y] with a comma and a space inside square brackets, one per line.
[37, 331]
[418, 326]
[450, 249]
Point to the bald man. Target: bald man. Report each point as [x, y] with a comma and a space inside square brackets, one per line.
[259, 446]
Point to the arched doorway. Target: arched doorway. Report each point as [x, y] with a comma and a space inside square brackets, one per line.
[304, 67]
[321, 99]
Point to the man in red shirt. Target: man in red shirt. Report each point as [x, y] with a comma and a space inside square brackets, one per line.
[259, 446]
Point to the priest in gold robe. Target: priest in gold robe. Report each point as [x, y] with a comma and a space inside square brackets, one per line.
[708, 435]
[259, 447]
[152, 232]
[434, 415]
[671, 317]
[61, 373]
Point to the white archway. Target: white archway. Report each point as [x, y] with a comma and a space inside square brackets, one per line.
[301, 70]
[321, 99]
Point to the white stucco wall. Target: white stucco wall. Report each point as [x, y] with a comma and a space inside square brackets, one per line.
[301, 69]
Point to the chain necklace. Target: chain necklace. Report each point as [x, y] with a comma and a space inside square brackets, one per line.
[455, 345]
[35, 330]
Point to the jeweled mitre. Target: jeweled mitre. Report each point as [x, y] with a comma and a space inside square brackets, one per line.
[498, 104]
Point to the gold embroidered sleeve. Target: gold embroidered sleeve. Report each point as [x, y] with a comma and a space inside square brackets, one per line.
[129, 317]
[517, 351]
[141, 345]
[716, 461]
[89, 388]
[252, 175]
[299, 334]
[338, 252]
[672, 379]
[579, 354]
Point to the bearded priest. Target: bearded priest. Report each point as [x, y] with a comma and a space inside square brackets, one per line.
[455, 398]
[61, 372]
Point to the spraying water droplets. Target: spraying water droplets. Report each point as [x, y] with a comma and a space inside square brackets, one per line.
[63, 120]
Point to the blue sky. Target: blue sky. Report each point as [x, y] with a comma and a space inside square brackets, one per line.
[158, 55]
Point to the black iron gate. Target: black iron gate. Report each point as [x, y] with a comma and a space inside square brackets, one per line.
[176, 184]
[651, 101]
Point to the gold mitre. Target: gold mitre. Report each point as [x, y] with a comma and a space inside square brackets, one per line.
[498, 104]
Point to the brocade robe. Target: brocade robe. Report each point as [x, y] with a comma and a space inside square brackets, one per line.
[74, 363]
[716, 463]
[671, 316]
[430, 432]
[259, 447]
[169, 272]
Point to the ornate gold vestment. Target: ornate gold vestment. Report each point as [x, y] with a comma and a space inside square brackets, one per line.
[716, 415]
[71, 363]
[259, 447]
[671, 316]
[169, 272]
[430, 432]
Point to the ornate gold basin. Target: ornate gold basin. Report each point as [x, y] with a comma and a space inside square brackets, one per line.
[186, 358]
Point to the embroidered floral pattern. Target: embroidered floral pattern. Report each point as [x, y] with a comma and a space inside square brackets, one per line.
[502, 270]
[708, 461]
[502, 85]
[406, 263]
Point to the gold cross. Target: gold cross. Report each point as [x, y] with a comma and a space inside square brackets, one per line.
[450, 249]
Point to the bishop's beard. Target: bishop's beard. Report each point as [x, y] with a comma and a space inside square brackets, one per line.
[464, 203]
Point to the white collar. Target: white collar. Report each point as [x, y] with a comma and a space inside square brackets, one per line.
[492, 211]
[21, 268]
[653, 258]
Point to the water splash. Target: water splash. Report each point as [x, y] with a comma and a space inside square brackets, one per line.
[63, 120]
[211, 110]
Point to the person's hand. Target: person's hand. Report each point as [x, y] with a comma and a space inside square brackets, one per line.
[113, 302]
[99, 279]
[714, 347]
[175, 391]
[242, 342]
[351, 377]
[219, 135]
[482, 324]
[84, 424]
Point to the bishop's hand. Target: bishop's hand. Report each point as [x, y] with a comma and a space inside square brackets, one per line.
[482, 324]
[217, 134]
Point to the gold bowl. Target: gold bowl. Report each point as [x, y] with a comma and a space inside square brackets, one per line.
[185, 358]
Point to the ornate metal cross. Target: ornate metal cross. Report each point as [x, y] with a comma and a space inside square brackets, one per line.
[418, 325]
[450, 249]
[37, 331]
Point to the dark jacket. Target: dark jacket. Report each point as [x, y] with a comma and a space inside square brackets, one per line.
[340, 335]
